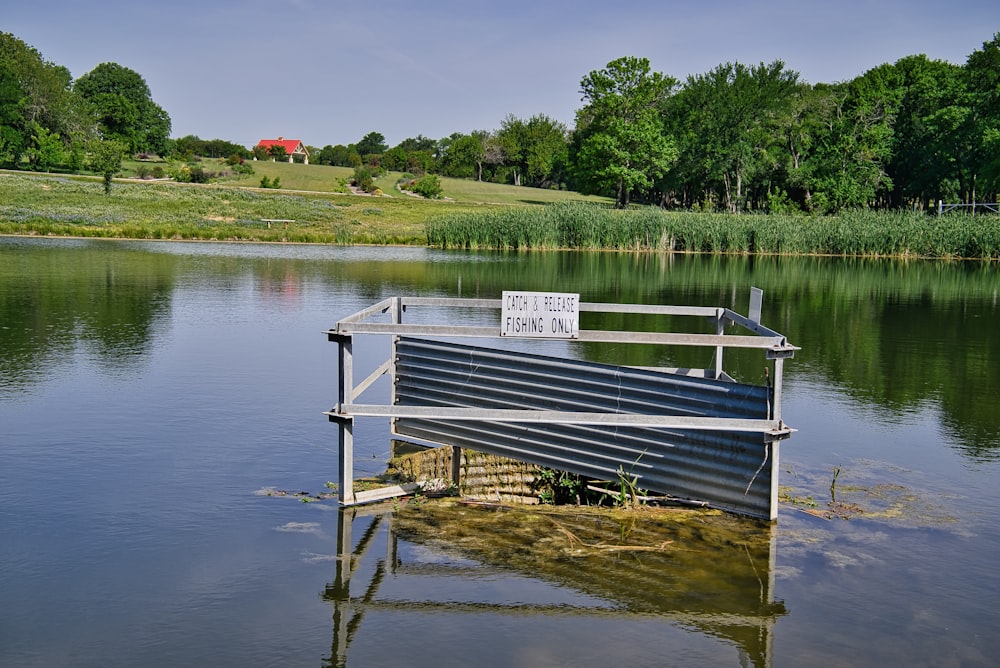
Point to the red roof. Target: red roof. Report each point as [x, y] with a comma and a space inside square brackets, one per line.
[290, 145]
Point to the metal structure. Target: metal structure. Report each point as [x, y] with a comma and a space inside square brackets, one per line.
[691, 434]
[988, 206]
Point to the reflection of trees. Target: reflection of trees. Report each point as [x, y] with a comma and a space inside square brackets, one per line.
[56, 297]
[898, 334]
[711, 575]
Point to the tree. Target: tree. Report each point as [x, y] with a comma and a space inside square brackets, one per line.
[862, 138]
[394, 159]
[729, 125]
[34, 91]
[105, 158]
[619, 144]
[466, 155]
[418, 143]
[338, 156]
[535, 150]
[124, 108]
[372, 143]
[192, 145]
[46, 150]
[547, 150]
[277, 152]
[931, 133]
[982, 71]
[12, 124]
[420, 162]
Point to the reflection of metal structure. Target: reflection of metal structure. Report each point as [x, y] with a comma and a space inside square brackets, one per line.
[718, 581]
[691, 434]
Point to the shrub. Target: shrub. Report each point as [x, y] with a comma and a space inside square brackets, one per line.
[199, 175]
[428, 185]
[363, 178]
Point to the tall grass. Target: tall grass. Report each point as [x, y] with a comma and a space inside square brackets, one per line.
[852, 233]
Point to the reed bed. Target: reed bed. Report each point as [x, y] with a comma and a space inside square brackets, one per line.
[592, 227]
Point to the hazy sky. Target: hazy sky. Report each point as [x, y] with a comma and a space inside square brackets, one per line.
[329, 72]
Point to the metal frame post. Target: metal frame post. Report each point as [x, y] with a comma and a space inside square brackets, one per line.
[345, 423]
[396, 312]
[720, 329]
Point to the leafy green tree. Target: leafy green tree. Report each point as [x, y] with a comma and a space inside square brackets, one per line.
[619, 144]
[729, 125]
[535, 150]
[982, 71]
[338, 156]
[802, 131]
[46, 150]
[546, 151]
[277, 152]
[512, 139]
[466, 155]
[106, 156]
[420, 162]
[418, 143]
[934, 140]
[394, 159]
[124, 108]
[372, 143]
[34, 91]
[12, 135]
[192, 145]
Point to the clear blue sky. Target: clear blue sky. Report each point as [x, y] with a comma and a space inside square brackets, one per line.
[329, 71]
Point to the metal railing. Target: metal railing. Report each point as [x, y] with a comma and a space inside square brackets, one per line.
[690, 434]
[988, 206]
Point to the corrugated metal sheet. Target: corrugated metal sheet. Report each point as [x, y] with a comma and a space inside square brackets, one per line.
[728, 470]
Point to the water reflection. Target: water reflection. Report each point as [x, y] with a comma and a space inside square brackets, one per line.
[57, 298]
[861, 323]
[706, 573]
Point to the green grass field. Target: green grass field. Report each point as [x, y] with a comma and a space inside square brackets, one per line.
[313, 205]
[326, 179]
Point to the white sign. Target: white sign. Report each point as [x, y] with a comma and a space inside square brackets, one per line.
[552, 315]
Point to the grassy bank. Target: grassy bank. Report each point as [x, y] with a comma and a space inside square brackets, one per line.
[474, 216]
[72, 206]
[313, 205]
[854, 233]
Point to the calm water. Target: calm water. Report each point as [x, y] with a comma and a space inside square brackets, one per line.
[150, 391]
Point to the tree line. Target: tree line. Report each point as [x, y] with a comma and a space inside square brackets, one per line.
[737, 138]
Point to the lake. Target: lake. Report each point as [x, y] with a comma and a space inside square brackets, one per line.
[153, 393]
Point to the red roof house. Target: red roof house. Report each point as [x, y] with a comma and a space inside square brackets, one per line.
[293, 147]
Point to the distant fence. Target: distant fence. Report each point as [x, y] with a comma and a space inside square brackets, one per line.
[986, 206]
